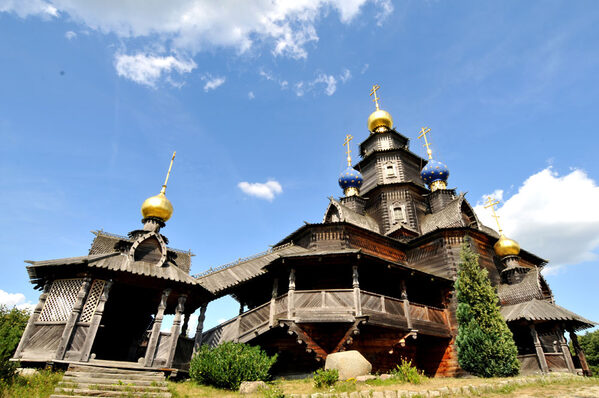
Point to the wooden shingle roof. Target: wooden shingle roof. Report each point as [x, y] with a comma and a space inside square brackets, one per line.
[527, 289]
[541, 310]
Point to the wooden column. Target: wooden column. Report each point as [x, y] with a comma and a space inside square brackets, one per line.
[67, 332]
[32, 319]
[406, 303]
[580, 354]
[241, 305]
[198, 337]
[291, 294]
[176, 330]
[356, 286]
[273, 301]
[95, 323]
[151, 350]
[565, 349]
[185, 325]
[539, 349]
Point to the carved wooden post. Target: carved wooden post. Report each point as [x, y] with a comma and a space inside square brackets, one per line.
[32, 319]
[406, 303]
[273, 302]
[95, 323]
[565, 349]
[198, 337]
[241, 305]
[539, 349]
[580, 353]
[151, 350]
[67, 332]
[175, 330]
[185, 325]
[356, 286]
[291, 294]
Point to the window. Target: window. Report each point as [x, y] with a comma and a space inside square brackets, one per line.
[390, 170]
[398, 213]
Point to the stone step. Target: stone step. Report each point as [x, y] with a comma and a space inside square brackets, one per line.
[116, 387]
[107, 393]
[102, 369]
[114, 380]
[114, 376]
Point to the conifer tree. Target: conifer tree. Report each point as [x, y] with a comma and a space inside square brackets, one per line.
[485, 343]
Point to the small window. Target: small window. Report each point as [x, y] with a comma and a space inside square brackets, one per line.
[390, 170]
[398, 214]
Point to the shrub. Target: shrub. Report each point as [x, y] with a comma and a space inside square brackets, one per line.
[12, 325]
[406, 373]
[325, 378]
[485, 343]
[228, 364]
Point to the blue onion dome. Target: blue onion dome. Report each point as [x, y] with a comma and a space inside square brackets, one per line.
[350, 178]
[434, 171]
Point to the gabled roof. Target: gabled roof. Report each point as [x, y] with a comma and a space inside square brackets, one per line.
[229, 275]
[113, 262]
[449, 217]
[348, 215]
[540, 310]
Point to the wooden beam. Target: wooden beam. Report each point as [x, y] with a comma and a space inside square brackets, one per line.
[32, 319]
[198, 337]
[303, 337]
[291, 295]
[580, 354]
[67, 332]
[273, 302]
[152, 343]
[356, 287]
[406, 303]
[347, 337]
[95, 323]
[175, 330]
[539, 349]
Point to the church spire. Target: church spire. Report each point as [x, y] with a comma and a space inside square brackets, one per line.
[159, 206]
[379, 121]
[435, 173]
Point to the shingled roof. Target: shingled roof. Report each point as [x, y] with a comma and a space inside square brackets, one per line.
[449, 217]
[541, 310]
[348, 215]
[527, 289]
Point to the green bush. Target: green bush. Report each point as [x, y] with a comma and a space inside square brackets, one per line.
[406, 373]
[38, 385]
[228, 364]
[485, 343]
[12, 325]
[325, 378]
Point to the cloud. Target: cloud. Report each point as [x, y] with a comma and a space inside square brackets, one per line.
[70, 35]
[212, 83]
[553, 216]
[251, 95]
[14, 300]
[329, 82]
[25, 8]
[147, 69]
[267, 190]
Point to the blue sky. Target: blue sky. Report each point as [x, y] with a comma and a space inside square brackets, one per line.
[95, 96]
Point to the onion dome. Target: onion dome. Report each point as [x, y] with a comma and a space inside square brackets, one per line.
[157, 206]
[506, 247]
[350, 181]
[435, 175]
[380, 121]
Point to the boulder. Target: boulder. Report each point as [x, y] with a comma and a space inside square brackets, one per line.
[349, 364]
[251, 387]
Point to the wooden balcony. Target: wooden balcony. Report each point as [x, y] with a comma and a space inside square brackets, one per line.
[332, 305]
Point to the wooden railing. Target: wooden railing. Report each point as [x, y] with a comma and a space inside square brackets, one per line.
[304, 304]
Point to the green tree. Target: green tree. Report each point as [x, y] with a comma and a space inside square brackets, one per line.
[485, 343]
[12, 325]
[589, 343]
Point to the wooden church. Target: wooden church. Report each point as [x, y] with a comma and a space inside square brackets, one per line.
[376, 275]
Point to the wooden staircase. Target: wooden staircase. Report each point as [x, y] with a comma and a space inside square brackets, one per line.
[98, 381]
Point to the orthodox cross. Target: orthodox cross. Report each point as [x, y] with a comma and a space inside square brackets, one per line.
[373, 92]
[423, 132]
[492, 203]
[163, 190]
[348, 138]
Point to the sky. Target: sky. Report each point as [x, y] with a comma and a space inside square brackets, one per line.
[257, 97]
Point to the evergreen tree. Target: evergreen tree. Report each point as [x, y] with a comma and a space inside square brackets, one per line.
[485, 343]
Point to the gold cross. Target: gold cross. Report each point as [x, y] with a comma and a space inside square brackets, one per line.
[348, 138]
[163, 190]
[492, 203]
[423, 132]
[376, 99]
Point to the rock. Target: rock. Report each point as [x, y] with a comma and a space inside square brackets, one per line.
[250, 387]
[27, 371]
[434, 393]
[349, 364]
[378, 394]
[385, 376]
[444, 390]
[365, 378]
[365, 394]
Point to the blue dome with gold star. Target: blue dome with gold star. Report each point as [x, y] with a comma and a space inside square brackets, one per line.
[434, 171]
[350, 178]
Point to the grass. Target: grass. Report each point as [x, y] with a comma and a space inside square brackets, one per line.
[40, 385]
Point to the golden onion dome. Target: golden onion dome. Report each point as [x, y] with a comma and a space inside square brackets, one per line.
[378, 119]
[506, 247]
[157, 206]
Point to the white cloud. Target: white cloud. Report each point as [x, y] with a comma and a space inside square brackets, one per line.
[14, 300]
[25, 8]
[329, 81]
[212, 83]
[345, 76]
[70, 35]
[299, 89]
[251, 95]
[555, 217]
[267, 190]
[147, 69]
